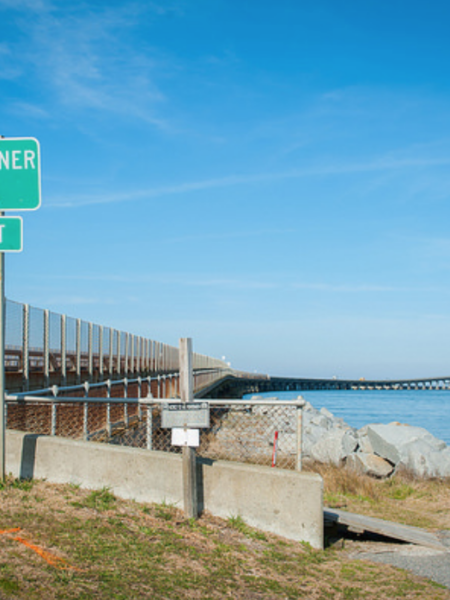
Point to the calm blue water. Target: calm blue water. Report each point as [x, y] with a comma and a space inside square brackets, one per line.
[429, 409]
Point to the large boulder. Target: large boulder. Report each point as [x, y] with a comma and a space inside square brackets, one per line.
[370, 464]
[423, 460]
[335, 446]
[413, 448]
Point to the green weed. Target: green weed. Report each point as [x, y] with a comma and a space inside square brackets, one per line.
[17, 484]
[8, 585]
[240, 525]
[98, 500]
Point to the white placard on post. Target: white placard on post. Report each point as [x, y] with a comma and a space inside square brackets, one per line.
[186, 437]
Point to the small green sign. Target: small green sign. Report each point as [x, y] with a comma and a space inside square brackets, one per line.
[10, 234]
[20, 174]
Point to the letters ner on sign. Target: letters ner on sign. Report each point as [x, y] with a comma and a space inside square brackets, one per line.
[20, 174]
[185, 414]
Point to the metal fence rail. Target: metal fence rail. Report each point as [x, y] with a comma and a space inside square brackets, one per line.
[256, 431]
[43, 348]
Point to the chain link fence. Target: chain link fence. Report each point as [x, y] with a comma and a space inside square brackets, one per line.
[253, 431]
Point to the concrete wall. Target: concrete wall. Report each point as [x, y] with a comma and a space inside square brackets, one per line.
[287, 503]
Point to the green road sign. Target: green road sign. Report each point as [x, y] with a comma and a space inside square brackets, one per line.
[20, 174]
[10, 234]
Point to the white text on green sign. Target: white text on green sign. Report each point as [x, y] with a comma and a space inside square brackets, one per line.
[10, 234]
[20, 174]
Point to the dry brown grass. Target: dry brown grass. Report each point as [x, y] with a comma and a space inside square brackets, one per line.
[402, 498]
[125, 550]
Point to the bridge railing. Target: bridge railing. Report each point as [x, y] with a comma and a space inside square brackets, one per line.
[44, 348]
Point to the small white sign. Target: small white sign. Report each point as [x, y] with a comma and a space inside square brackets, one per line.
[185, 437]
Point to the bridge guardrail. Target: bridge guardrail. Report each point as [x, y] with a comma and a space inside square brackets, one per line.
[43, 348]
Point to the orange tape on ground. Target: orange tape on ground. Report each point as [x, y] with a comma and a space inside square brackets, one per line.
[51, 559]
[9, 530]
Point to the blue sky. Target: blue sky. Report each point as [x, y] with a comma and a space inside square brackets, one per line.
[270, 179]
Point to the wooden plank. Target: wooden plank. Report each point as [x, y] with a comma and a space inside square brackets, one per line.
[405, 533]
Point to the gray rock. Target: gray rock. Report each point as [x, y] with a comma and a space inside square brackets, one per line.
[331, 447]
[424, 460]
[363, 441]
[387, 440]
[349, 441]
[371, 464]
[326, 413]
[413, 448]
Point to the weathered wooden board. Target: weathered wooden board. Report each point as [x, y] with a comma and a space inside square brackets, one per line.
[405, 533]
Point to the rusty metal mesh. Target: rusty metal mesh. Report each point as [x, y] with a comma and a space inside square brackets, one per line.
[244, 432]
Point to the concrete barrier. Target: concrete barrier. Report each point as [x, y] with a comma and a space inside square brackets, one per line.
[286, 503]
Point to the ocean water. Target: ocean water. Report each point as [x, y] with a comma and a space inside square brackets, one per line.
[428, 409]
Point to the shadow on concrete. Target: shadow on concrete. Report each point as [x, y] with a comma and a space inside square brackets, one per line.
[28, 457]
[201, 461]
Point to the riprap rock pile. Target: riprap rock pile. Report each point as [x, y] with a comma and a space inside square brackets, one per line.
[375, 449]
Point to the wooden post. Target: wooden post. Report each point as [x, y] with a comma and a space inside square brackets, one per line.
[189, 459]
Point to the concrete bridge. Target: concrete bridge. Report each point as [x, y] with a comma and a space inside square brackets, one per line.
[237, 385]
[45, 349]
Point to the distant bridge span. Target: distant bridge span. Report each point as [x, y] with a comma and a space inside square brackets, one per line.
[237, 386]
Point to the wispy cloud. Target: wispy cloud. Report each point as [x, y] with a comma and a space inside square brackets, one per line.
[84, 59]
[172, 279]
[377, 165]
[28, 110]
[350, 288]
[228, 235]
[265, 281]
[33, 5]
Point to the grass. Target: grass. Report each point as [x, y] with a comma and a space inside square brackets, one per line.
[412, 501]
[106, 548]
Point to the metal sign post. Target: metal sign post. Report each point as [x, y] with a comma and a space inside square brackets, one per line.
[20, 189]
[2, 367]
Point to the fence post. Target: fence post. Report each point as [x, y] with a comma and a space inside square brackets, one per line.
[78, 350]
[46, 348]
[26, 348]
[149, 427]
[86, 412]
[138, 354]
[100, 351]
[90, 351]
[298, 465]
[127, 365]
[53, 430]
[139, 396]
[111, 350]
[125, 405]
[189, 459]
[108, 408]
[149, 416]
[63, 350]
[119, 359]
